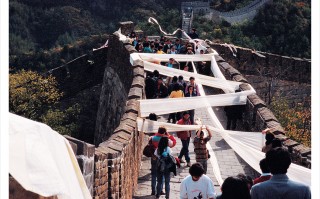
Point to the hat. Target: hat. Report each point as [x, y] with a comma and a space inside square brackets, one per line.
[194, 29]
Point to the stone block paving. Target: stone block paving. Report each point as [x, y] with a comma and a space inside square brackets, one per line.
[229, 162]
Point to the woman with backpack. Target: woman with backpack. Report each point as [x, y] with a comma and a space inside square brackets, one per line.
[165, 164]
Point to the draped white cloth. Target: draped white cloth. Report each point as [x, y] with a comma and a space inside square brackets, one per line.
[247, 145]
[160, 106]
[42, 160]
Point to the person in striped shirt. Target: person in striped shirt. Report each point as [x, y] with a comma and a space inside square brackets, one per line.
[200, 148]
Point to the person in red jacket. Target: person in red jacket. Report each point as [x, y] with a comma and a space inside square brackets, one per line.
[162, 132]
[185, 138]
[266, 175]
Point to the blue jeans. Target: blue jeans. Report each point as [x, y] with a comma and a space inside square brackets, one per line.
[185, 149]
[166, 176]
[154, 161]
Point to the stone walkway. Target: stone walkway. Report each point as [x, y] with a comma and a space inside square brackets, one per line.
[229, 162]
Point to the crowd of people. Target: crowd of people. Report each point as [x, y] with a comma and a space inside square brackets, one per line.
[273, 182]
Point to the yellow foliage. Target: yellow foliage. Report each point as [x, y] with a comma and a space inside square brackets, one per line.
[296, 121]
[30, 94]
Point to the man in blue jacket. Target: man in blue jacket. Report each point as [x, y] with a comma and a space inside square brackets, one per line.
[279, 186]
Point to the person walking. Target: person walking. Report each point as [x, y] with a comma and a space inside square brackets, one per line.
[185, 138]
[162, 132]
[164, 154]
[197, 185]
[200, 148]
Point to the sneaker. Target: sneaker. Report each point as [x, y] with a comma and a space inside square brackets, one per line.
[182, 161]
[189, 164]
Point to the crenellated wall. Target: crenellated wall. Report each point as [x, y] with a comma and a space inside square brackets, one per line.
[258, 116]
[117, 159]
[271, 75]
[81, 73]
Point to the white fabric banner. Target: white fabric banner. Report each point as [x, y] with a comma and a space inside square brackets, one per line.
[247, 145]
[170, 105]
[42, 160]
[231, 86]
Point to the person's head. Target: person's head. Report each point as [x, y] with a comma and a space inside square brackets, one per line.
[186, 68]
[152, 46]
[174, 79]
[146, 44]
[171, 60]
[177, 41]
[196, 171]
[278, 160]
[160, 47]
[186, 115]
[189, 49]
[234, 187]
[160, 80]
[180, 78]
[194, 30]
[163, 144]
[156, 73]
[201, 52]
[269, 138]
[173, 48]
[176, 87]
[264, 166]
[190, 89]
[153, 116]
[191, 80]
[276, 142]
[247, 179]
[162, 130]
[201, 134]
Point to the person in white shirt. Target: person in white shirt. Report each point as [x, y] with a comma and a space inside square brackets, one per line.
[197, 185]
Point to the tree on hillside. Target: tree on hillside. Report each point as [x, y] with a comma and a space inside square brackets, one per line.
[296, 121]
[37, 97]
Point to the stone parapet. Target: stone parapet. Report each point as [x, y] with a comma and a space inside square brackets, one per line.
[85, 156]
[118, 156]
[257, 115]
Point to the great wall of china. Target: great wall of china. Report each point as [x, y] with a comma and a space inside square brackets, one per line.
[111, 166]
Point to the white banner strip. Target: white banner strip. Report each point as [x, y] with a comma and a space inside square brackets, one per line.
[171, 105]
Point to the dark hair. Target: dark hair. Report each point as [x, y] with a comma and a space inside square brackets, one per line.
[269, 138]
[190, 87]
[185, 113]
[276, 142]
[196, 170]
[264, 166]
[153, 116]
[156, 73]
[176, 87]
[234, 187]
[160, 47]
[247, 179]
[278, 160]
[175, 78]
[163, 144]
[162, 130]
[180, 77]
[191, 78]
